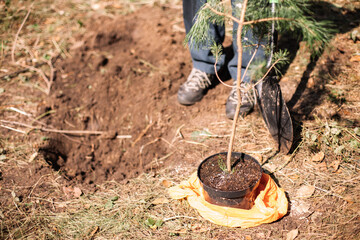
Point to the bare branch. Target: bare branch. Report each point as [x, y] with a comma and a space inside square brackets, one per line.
[39, 71]
[73, 132]
[218, 77]
[268, 71]
[223, 14]
[17, 34]
[27, 68]
[51, 79]
[143, 133]
[248, 22]
[268, 19]
[13, 129]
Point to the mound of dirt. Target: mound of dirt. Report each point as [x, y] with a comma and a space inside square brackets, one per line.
[119, 80]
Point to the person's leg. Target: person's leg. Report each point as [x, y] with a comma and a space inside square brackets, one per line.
[247, 98]
[247, 54]
[202, 57]
[203, 71]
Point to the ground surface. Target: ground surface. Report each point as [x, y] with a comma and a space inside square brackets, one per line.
[117, 84]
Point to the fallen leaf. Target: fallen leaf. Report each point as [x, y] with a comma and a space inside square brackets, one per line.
[334, 165]
[61, 205]
[305, 191]
[300, 209]
[349, 199]
[198, 228]
[322, 167]
[340, 189]
[74, 46]
[166, 183]
[114, 198]
[200, 136]
[154, 227]
[270, 167]
[294, 177]
[77, 192]
[109, 204]
[292, 234]
[260, 235]
[150, 222]
[318, 157]
[118, 6]
[33, 156]
[92, 233]
[49, 21]
[310, 83]
[87, 206]
[339, 150]
[355, 58]
[67, 190]
[160, 201]
[179, 231]
[355, 35]
[153, 223]
[316, 218]
[287, 158]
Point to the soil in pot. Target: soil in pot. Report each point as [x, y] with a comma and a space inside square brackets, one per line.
[245, 173]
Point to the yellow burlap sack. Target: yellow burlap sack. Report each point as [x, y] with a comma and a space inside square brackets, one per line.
[270, 204]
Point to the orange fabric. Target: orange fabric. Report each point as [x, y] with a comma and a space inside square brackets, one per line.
[270, 204]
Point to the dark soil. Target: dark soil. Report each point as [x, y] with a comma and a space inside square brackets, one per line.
[118, 81]
[245, 173]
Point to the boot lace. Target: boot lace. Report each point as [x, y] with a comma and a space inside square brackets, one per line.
[246, 95]
[197, 80]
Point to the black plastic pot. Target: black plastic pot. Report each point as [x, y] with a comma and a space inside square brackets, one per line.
[238, 199]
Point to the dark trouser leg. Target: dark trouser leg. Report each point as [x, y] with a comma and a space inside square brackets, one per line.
[249, 48]
[202, 57]
[247, 51]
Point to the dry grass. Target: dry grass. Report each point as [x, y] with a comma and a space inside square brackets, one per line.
[126, 210]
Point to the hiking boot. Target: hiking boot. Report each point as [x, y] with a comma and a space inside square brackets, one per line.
[195, 87]
[247, 102]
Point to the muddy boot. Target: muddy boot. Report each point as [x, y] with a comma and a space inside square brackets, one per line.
[195, 87]
[247, 103]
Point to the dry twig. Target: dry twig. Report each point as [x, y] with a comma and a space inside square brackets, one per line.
[17, 34]
[43, 129]
[27, 68]
[143, 132]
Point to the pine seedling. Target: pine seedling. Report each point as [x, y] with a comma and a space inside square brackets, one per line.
[257, 16]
